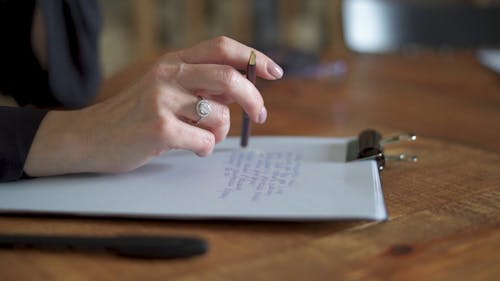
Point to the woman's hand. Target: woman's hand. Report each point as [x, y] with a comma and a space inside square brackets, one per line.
[155, 115]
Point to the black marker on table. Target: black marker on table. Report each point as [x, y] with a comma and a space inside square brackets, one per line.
[245, 129]
[134, 246]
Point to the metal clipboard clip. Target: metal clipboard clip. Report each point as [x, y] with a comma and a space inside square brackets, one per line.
[370, 146]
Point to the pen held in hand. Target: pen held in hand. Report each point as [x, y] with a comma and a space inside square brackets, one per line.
[245, 129]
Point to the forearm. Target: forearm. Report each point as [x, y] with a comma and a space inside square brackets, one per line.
[57, 147]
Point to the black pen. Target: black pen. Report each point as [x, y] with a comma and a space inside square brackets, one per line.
[245, 129]
[134, 246]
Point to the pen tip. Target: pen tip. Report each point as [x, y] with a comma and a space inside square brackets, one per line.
[253, 58]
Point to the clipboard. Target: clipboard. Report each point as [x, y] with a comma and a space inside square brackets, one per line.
[277, 178]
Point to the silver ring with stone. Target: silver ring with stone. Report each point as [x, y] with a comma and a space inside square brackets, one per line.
[203, 109]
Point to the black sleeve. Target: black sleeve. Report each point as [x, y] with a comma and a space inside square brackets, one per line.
[73, 54]
[19, 126]
[71, 80]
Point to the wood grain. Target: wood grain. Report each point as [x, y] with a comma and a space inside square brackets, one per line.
[444, 210]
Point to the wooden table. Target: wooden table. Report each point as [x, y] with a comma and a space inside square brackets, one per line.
[444, 210]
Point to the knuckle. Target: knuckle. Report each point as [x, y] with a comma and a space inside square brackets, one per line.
[222, 43]
[225, 115]
[229, 77]
[155, 98]
[158, 101]
[221, 123]
[164, 129]
[222, 118]
[155, 101]
[222, 136]
[159, 71]
[221, 133]
[164, 71]
[207, 145]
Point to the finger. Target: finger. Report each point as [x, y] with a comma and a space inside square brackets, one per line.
[222, 80]
[217, 120]
[224, 50]
[179, 135]
[222, 99]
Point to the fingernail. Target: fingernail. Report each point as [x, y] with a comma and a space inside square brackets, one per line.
[262, 115]
[275, 70]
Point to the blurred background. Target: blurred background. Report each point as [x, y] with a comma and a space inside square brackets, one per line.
[298, 32]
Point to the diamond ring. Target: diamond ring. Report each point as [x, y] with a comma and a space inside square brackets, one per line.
[203, 109]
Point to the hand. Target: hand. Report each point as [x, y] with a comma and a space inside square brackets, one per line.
[155, 115]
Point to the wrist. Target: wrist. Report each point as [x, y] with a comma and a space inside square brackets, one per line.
[58, 147]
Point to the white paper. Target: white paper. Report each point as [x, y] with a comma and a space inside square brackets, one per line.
[277, 178]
